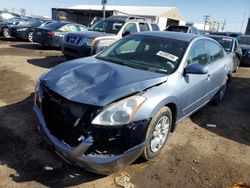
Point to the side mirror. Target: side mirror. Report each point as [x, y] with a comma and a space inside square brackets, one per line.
[196, 69]
[126, 33]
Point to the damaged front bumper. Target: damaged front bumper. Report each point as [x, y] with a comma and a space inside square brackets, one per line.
[98, 163]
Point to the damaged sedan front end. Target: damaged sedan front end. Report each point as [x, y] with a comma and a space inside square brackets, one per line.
[95, 129]
[103, 112]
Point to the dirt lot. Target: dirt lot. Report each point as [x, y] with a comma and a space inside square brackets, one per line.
[195, 156]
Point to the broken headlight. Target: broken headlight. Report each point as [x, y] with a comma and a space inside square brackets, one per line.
[119, 113]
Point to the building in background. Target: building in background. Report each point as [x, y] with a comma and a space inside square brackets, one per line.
[88, 14]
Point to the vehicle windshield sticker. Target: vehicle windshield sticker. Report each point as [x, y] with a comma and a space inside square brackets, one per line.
[227, 39]
[167, 56]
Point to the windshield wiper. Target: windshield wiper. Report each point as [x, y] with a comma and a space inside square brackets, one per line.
[118, 61]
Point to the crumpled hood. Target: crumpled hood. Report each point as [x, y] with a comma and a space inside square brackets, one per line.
[96, 82]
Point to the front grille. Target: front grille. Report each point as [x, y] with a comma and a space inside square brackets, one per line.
[73, 39]
[63, 118]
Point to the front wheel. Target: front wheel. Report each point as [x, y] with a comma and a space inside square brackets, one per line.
[157, 133]
[30, 36]
[6, 33]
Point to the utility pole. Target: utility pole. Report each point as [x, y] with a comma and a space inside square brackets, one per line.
[243, 21]
[104, 2]
[218, 26]
[206, 18]
[223, 25]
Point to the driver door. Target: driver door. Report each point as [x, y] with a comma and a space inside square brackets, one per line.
[195, 86]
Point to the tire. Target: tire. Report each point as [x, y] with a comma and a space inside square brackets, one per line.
[6, 33]
[237, 66]
[156, 140]
[220, 94]
[30, 37]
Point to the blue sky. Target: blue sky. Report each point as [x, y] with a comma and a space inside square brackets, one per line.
[192, 10]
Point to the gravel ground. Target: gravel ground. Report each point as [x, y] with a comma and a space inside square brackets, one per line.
[195, 155]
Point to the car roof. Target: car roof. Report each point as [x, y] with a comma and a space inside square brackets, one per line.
[130, 19]
[169, 34]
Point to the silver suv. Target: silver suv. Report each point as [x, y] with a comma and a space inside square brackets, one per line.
[103, 34]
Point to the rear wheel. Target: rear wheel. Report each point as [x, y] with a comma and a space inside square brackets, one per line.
[237, 66]
[157, 133]
[220, 94]
[6, 33]
[30, 36]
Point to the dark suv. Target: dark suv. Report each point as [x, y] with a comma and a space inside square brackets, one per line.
[102, 34]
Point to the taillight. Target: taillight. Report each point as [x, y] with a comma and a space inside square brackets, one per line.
[51, 33]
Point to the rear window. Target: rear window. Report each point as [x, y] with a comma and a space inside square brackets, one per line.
[155, 27]
[181, 29]
[55, 25]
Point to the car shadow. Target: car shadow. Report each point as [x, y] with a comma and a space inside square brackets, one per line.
[23, 149]
[232, 116]
[11, 39]
[34, 46]
[47, 62]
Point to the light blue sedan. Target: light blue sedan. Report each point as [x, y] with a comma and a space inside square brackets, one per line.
[103, 112]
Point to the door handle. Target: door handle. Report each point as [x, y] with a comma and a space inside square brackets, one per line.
[225, 66]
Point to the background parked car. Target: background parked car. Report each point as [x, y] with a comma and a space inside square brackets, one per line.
[4, 25]
[104, 111]
[102, 34]
[53, 33]
[25, 31]
[183, 29]
[231, 47]
[244, 41]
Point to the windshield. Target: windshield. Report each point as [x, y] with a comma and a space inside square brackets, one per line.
[226, 43]
[181, 29]
[107, 26]
[154, 54]
[244, 40]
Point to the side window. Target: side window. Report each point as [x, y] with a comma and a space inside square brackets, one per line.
[64, 28]
[72, 28]
[143, 27]
[193, 31]
[130, 27]
[155, 27]
[214, 50]
[198, 54]
[81, 28]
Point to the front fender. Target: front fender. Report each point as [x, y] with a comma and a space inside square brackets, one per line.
[157, 97]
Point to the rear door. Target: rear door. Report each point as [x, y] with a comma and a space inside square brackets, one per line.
[195, 86]
[219, 66]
